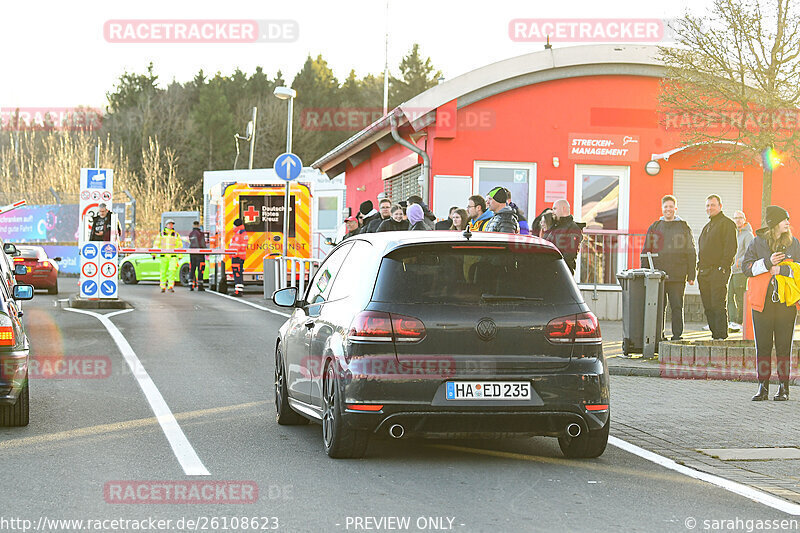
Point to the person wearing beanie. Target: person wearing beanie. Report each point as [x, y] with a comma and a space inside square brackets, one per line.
[716, 250]
[504, 219]
[368, 214]
[416, 217]
[565, 233]
[773, 253]
[239, 243]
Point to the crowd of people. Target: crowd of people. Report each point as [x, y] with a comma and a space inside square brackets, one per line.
[726, 256]
[495, 213]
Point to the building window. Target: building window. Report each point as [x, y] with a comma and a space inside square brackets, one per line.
[601, 202]
[519, 178]
[398, 188]
[328, 213]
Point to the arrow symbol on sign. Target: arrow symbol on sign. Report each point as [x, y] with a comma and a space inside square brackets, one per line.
[288, 163]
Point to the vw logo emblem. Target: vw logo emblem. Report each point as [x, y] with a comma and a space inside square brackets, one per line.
[486, 329]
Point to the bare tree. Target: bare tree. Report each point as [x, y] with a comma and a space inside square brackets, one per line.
[733, 83]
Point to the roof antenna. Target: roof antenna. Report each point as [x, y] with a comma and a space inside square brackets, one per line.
[547, 45]
[467, 233]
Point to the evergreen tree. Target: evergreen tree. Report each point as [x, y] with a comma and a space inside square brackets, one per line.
[418, 77]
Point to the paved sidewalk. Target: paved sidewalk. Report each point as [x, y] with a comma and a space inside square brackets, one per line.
[676, 418]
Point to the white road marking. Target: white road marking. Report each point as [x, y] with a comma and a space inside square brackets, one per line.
[187, 457]
[251, 304]
[732, 486]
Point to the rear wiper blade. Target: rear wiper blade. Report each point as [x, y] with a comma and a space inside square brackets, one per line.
[509, 297]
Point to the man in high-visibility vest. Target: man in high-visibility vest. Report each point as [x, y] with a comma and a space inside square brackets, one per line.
[169, 239]
[238, 243]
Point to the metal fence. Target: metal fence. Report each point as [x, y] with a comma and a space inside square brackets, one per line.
[281, 272]
[604, 253]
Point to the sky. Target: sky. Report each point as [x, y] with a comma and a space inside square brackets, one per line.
[57, 55]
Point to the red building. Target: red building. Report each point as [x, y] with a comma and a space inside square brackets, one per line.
[578, 123]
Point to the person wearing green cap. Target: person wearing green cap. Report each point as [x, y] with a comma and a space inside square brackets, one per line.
[771, 255]
[504, 219]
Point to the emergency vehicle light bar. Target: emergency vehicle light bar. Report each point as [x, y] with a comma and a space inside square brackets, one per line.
[203, 251]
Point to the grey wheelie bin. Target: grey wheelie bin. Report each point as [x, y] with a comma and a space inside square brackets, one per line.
[642, 310]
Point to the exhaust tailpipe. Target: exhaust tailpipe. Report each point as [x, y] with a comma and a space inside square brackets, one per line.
[573, 430]
[397, 431]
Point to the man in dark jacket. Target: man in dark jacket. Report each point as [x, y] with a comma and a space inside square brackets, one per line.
[101, 225]
[716, 252]
[566, 234]
[504, 219]
[197, 262]
[671, 242]
[385, 212]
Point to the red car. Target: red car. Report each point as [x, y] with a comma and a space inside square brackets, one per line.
[42, 271]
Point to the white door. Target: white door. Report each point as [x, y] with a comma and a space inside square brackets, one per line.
[602, 201]
[519, 178]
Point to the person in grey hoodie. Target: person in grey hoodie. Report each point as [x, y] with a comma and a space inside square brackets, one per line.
[738, 282]
[504, 219]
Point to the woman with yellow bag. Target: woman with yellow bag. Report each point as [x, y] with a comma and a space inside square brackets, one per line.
[771, 264]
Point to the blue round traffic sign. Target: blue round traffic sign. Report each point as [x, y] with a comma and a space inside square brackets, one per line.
[108, 287]
[89, 250]
[288, 166]
[109, 251]
[89, 287]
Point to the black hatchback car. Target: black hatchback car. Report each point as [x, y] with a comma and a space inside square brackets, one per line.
[442, 335]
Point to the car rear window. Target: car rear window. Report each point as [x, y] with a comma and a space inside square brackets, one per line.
[476, 273]
[28, 253]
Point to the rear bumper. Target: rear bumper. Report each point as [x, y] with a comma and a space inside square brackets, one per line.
[39, 280]
[13, 373]
[420, 406]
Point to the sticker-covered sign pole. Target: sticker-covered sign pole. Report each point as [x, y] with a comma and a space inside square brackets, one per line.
[99, 277]
[286, 93]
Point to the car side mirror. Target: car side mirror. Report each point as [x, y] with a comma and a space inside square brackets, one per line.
[285, 297]
[10, 249]
[20, 270]
[23, 292]
[56, 259]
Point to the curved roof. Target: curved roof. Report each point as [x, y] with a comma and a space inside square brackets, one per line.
[495, 78]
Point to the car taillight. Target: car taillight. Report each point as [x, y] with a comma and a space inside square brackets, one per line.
[371, 326]
[582, 328]
[6, 331]
[46, 264]
[407, 328]
[379, 326]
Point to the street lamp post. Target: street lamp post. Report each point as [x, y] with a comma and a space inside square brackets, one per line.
[286, 93]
